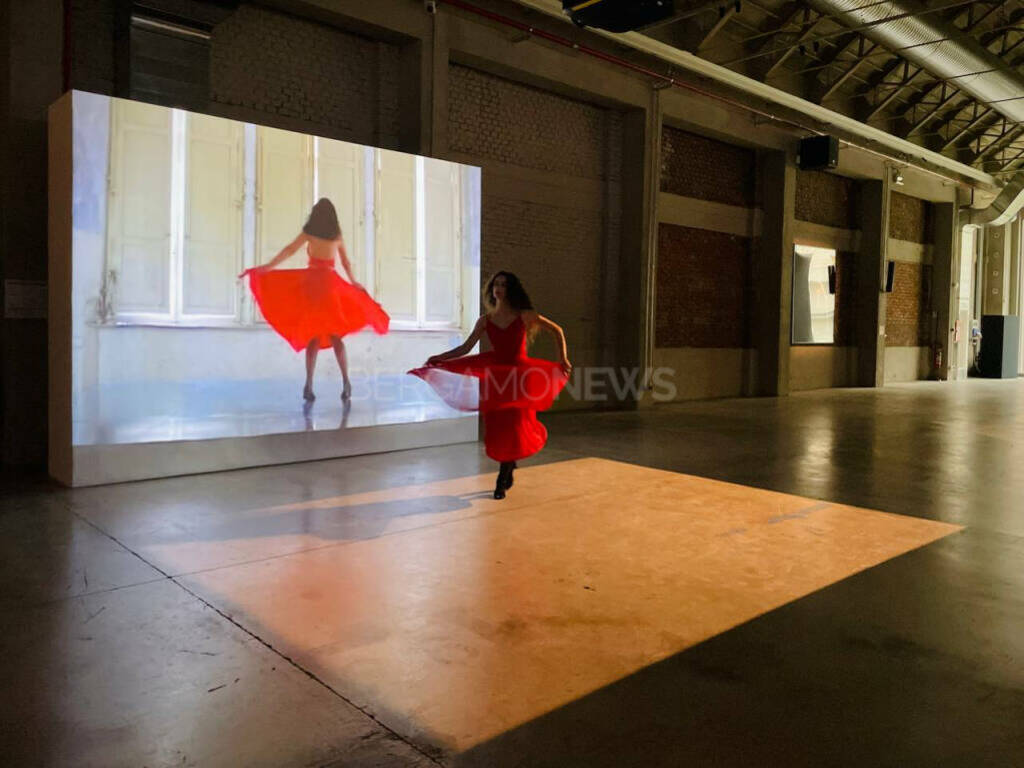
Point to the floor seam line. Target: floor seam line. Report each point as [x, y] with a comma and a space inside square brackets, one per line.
[58, 600]
[265, 644]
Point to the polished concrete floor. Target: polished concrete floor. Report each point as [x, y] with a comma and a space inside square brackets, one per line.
[834, 578]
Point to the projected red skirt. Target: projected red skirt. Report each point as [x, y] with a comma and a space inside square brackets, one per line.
[309, 304]
[506, 386]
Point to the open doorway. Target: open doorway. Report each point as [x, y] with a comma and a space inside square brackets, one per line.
[967, 306]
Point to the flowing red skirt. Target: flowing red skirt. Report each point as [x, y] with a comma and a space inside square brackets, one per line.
[508, 394]
[314, 303]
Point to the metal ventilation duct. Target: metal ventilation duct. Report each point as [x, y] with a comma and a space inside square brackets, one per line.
[939, 48]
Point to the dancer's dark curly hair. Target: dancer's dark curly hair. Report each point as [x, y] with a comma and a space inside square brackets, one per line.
[323, 221]
[515, 294]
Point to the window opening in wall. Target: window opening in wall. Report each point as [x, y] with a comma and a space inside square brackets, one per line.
[814, 299]
[965, 301]
[1019, 259]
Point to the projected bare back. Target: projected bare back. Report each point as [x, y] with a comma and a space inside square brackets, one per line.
[314, 308]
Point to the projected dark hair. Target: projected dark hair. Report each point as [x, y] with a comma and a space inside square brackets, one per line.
[323, 221]
[515, 294]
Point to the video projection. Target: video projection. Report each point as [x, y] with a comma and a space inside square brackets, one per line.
[179, 334]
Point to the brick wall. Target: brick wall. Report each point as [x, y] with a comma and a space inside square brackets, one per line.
[825, 198]
[702, 168]
[283, 65]
[907, 315]
[703, 291]
[556, 253]
[911, 219]
[490, 117]
[565, 253]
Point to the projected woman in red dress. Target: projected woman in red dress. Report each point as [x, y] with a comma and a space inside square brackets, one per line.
[313, 308]
[512, 386]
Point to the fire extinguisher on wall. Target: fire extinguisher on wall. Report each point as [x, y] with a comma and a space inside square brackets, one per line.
[937, 361]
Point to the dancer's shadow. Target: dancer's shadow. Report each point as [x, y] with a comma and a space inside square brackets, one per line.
[356, 522]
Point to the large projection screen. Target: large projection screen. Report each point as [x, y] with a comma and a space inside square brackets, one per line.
[165, 359]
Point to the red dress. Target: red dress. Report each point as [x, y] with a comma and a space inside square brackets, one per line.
[314, 303]
[512, 388]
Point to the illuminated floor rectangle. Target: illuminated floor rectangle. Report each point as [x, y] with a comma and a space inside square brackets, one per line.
[468, 616]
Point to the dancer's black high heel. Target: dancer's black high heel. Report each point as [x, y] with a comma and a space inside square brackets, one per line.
[503, 481]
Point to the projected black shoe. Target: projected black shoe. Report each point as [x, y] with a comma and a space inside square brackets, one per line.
[346, 392]
[307, 394]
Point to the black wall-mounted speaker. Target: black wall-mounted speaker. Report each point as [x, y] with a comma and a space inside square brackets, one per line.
[890, 275]
[617, 15]
[818, 152]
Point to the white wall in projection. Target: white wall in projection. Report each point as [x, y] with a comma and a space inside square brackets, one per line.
[169, 207]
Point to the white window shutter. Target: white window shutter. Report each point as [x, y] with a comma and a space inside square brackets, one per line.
[396, 234]
[213, 216]
[139, 212]
[284, 191]
[443, 249]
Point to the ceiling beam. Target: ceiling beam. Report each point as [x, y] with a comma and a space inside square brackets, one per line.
[946, 96]
[1009, 135]
[948, 92]
[808, 25]
[978, 117]
[1016, 158]
[860, 58]
[897, 88]
[718, 26]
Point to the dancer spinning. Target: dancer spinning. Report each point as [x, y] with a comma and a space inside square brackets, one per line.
[314, 308]
[513, 387]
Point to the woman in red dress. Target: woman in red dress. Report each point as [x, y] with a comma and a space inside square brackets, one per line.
[314, 308]
[513, 387]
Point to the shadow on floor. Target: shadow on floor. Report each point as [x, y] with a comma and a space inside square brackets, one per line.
[894, 666]
[352, 522]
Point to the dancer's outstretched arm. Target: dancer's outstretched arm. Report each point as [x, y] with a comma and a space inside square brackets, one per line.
[464, 347]
[556, 331]
[283, 254]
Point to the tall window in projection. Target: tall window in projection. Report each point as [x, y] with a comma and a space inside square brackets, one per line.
[194, 200]
[814, 299]
[418, 204]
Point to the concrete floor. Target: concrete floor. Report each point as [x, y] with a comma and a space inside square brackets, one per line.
[380, 610]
